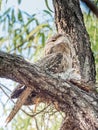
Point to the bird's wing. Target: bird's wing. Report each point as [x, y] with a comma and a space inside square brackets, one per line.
[51, 63]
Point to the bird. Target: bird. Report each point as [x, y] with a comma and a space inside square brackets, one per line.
[58, 46]
[57, 60]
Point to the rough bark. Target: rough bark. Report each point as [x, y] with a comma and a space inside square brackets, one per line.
[80, 107]
[69, 20]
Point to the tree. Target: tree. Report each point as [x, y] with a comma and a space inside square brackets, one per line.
[78, 104]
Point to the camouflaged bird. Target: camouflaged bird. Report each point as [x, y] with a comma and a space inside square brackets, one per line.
[57, 59]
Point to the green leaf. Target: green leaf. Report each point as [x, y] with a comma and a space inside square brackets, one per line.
[42, 39]
[47, 12]
[32, 19]
[38, 28]
[6, 12]
[13, 16]
[19, 2]
[0, 4]
[47, 4]
[20, 18]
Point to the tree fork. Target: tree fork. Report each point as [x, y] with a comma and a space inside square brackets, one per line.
[69, 20]
[77, 104]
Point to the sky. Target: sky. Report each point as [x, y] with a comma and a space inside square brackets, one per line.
[26, 5]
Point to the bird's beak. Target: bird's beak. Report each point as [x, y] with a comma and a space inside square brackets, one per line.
[58, 42]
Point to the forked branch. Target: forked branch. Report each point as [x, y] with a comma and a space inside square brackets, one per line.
[68, 95]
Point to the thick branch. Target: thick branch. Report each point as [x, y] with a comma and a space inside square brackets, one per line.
[69, 97]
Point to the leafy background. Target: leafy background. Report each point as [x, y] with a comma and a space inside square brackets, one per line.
[25, 34]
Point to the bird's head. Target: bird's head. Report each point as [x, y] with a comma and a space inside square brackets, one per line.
[57, 44]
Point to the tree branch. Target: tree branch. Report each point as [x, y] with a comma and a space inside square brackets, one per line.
[69, 96]
[91, 6]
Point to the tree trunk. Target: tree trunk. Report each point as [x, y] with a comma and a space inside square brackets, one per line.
[69, 20]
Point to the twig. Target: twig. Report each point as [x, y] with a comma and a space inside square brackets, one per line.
[38, 112]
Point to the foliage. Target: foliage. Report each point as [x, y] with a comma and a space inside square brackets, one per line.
[48, 119]
[23, 33]
[91, 23]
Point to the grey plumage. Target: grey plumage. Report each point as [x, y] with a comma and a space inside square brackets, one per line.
[57, 59]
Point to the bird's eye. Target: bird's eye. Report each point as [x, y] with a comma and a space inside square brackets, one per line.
[53, 40]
